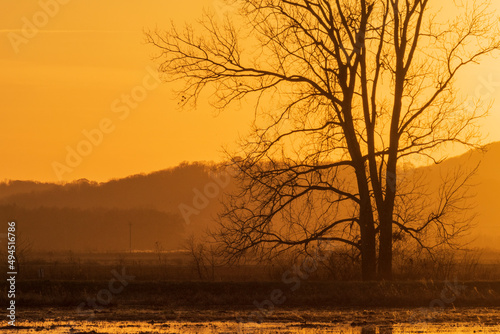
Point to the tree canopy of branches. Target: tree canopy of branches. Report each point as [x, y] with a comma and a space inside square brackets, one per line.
[345, 92]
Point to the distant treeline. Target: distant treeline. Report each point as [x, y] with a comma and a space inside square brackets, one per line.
[162, 190]
[99, 229]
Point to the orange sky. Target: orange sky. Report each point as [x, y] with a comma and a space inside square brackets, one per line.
[72, 73]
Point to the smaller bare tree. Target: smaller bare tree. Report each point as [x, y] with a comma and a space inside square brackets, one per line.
[205, 255]
[196, 251]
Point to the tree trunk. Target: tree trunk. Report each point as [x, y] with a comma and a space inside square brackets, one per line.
[385, 247]
[368, 253]
[366, 226]
[385, 214]
[368, 244]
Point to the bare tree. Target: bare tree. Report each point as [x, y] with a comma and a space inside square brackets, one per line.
[346, 91]
[197, 252]
[159, 250]
[23, 251]
[205, 256]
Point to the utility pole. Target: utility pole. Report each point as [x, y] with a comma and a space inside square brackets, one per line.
[130, 236]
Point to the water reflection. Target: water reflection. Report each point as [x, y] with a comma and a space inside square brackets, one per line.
[385, 330]
[368, 330]
[122, 327]
[377, 330]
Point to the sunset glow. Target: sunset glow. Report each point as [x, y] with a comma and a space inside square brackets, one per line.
[65, 76]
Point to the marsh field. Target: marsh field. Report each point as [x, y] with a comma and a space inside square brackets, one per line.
[148, 292]
[386, 320]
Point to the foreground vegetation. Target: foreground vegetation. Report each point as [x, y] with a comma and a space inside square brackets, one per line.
[250, 295]
[183, 280]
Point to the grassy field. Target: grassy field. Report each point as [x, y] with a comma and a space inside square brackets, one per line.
[104, 280]
[265, 295]
[182, 266]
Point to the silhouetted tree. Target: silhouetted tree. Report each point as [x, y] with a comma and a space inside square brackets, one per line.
[196, 251]
[345, 91]
[204, 255]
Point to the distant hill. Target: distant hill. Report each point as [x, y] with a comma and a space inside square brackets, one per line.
[487, 201]
[163, 191]
[85, 215]
[486, 182]
[86, 210]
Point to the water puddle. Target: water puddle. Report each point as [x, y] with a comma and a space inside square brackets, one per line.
[132, 327]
